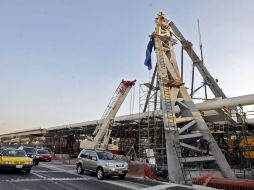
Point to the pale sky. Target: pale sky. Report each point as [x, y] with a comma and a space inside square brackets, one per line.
[61, 60]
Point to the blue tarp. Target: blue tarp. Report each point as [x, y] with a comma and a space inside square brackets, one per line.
[148, 61]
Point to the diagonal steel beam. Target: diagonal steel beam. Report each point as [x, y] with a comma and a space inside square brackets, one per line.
[198, 62]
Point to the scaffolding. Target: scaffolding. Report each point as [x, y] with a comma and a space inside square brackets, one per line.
[152, 146]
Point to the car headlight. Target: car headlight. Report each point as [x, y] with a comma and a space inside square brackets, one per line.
[110, 164]
[125, 164]
[37, 156]
[7, 162]
[29, 162]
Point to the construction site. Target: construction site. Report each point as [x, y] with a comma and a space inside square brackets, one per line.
[184, 138]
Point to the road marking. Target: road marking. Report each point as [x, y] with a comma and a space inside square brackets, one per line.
[161, 187]
[56, 168]
[68, 179]
[20, 180]
[49, 179]
[67, 171]
[40, 176]
[38, 171]
[124, 183]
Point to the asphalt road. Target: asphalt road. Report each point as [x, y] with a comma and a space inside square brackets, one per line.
[58, 176]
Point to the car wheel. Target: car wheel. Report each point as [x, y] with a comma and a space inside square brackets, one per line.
[100, 173]
[122, 176]
[49, 160]
[35, 163]
[28, 171]
[80, 170]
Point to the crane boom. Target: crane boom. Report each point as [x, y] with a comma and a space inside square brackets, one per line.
[102, 131]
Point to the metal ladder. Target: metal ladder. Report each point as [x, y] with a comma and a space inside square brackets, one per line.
[182, 160]
[178, 149]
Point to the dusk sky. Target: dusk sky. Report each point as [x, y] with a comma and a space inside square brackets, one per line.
[61, 60]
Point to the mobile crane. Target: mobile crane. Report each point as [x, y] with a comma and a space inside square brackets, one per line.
[101, 135]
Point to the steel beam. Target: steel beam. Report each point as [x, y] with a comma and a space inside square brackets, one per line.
[198, 159]
[198, 63]
[229, 102]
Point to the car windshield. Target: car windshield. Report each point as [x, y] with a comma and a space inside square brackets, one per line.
[43, 152]
[106, 156]
[30, 150]
[17, 153]
[48, 149]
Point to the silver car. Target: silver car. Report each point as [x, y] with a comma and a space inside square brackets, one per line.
[103, 163]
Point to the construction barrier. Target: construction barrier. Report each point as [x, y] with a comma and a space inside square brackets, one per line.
[140, 169]
[222, 183]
